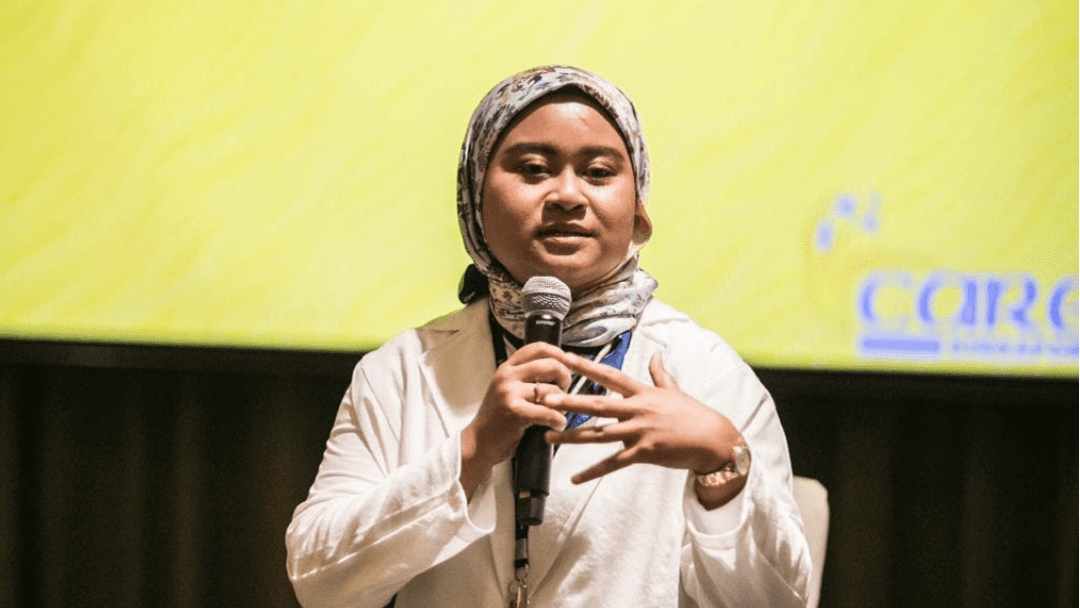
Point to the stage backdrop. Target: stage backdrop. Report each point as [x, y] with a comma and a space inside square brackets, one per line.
[837, 184]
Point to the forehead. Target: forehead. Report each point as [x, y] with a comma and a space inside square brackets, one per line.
[567, 113]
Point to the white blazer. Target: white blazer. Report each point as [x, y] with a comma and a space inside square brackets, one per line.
[387, 516]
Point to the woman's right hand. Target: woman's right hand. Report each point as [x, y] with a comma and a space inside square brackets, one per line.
[511, 405]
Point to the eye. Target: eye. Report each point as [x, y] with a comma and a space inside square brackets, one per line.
[598, 173]
[532, 168]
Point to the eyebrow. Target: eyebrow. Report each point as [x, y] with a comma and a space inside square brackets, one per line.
[547, 149]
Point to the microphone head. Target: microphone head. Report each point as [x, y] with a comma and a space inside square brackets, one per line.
[546, 294]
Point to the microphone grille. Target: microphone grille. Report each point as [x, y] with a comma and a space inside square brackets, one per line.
[546, 294]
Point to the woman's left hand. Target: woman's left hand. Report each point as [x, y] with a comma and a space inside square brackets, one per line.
[657, 424]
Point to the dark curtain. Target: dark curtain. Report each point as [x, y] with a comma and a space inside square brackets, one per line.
[943, 491]
[155, 476]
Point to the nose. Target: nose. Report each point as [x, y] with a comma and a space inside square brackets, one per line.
[567, 193]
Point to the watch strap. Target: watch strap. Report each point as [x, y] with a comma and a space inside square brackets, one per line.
[739, 466]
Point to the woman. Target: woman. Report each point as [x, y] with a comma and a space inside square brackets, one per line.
[653, 499]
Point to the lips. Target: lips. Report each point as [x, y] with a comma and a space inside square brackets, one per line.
[564, 230]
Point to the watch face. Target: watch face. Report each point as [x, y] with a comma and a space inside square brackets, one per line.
[742, 460]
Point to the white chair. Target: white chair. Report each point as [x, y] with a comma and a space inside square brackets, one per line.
[813, 501]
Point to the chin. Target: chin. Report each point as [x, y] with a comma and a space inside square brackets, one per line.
[578, 275]
[579, 281]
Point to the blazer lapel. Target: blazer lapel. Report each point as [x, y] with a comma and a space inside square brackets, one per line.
[458, 365]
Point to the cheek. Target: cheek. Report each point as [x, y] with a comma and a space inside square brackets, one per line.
[501, 213]
[621, 210]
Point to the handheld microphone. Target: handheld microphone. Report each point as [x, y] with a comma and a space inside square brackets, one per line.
[546, 301]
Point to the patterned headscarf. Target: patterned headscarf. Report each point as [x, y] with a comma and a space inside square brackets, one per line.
[602, 312]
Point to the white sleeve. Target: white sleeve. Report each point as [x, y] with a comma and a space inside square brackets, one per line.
[751, 551]
[369, 525]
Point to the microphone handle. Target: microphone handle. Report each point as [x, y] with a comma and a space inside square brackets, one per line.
[532, 471]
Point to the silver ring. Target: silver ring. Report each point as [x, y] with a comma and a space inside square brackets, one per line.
[536, 393]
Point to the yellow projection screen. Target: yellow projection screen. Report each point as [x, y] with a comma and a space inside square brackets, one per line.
[837, 184]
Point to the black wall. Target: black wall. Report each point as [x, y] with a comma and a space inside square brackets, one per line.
[157, 476]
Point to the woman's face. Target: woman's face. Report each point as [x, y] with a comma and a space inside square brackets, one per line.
[559, 195]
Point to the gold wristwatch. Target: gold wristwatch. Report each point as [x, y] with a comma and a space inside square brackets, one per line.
[738, 467]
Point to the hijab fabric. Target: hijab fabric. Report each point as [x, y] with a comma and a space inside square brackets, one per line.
[605, 310]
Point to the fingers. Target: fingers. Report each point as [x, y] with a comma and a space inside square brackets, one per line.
[609, 377]
[598, 406]
[529, 405]
[600, 433]
[535, 351]
[660, 377]
[616, 461]
[535, 369]
[516, 403]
